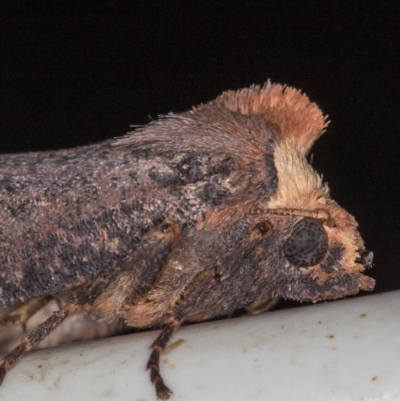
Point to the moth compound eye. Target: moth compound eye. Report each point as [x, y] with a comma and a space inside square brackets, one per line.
[308, 243]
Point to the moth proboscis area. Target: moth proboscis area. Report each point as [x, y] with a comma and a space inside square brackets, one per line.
[194, 216]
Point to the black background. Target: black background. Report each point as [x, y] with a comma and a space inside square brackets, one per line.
[73, 74]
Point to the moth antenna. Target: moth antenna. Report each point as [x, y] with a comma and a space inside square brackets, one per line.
[34, 338]
[204, 281]
[321, 215]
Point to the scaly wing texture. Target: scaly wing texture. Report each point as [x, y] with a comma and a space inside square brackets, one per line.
[66, 216]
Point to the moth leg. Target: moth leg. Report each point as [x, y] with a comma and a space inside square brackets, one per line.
[158, 244]
[34, 338]
[153, 364]
[262, 306]
[201, 283]
[149, 261]
[21, 314]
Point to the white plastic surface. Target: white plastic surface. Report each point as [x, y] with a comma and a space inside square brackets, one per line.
[344, 350]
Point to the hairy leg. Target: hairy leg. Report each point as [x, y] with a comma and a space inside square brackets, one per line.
[153, 364]
[34, 338]
[201, 283]
[21, 314]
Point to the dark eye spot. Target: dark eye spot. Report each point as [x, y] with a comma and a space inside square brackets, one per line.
[308, 243]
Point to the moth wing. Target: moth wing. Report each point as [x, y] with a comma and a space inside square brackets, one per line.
[59, 227]
[67, 216]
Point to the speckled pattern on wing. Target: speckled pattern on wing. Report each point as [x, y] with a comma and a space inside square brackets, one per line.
[191, 217]
[66, 216]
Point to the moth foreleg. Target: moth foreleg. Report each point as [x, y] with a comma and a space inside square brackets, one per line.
[202, 282]
[153, 364]
[158, 244]
[34, 338]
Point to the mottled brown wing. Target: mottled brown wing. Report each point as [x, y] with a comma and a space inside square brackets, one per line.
[63, 219]
[67, 216]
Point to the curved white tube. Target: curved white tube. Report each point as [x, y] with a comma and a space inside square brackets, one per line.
[344, 350]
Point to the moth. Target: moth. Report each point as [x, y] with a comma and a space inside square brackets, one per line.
[194, 216]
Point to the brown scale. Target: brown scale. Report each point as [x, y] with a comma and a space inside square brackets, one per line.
[191, 217]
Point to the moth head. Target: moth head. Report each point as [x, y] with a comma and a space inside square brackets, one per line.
[322, 259]
[321, 254]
